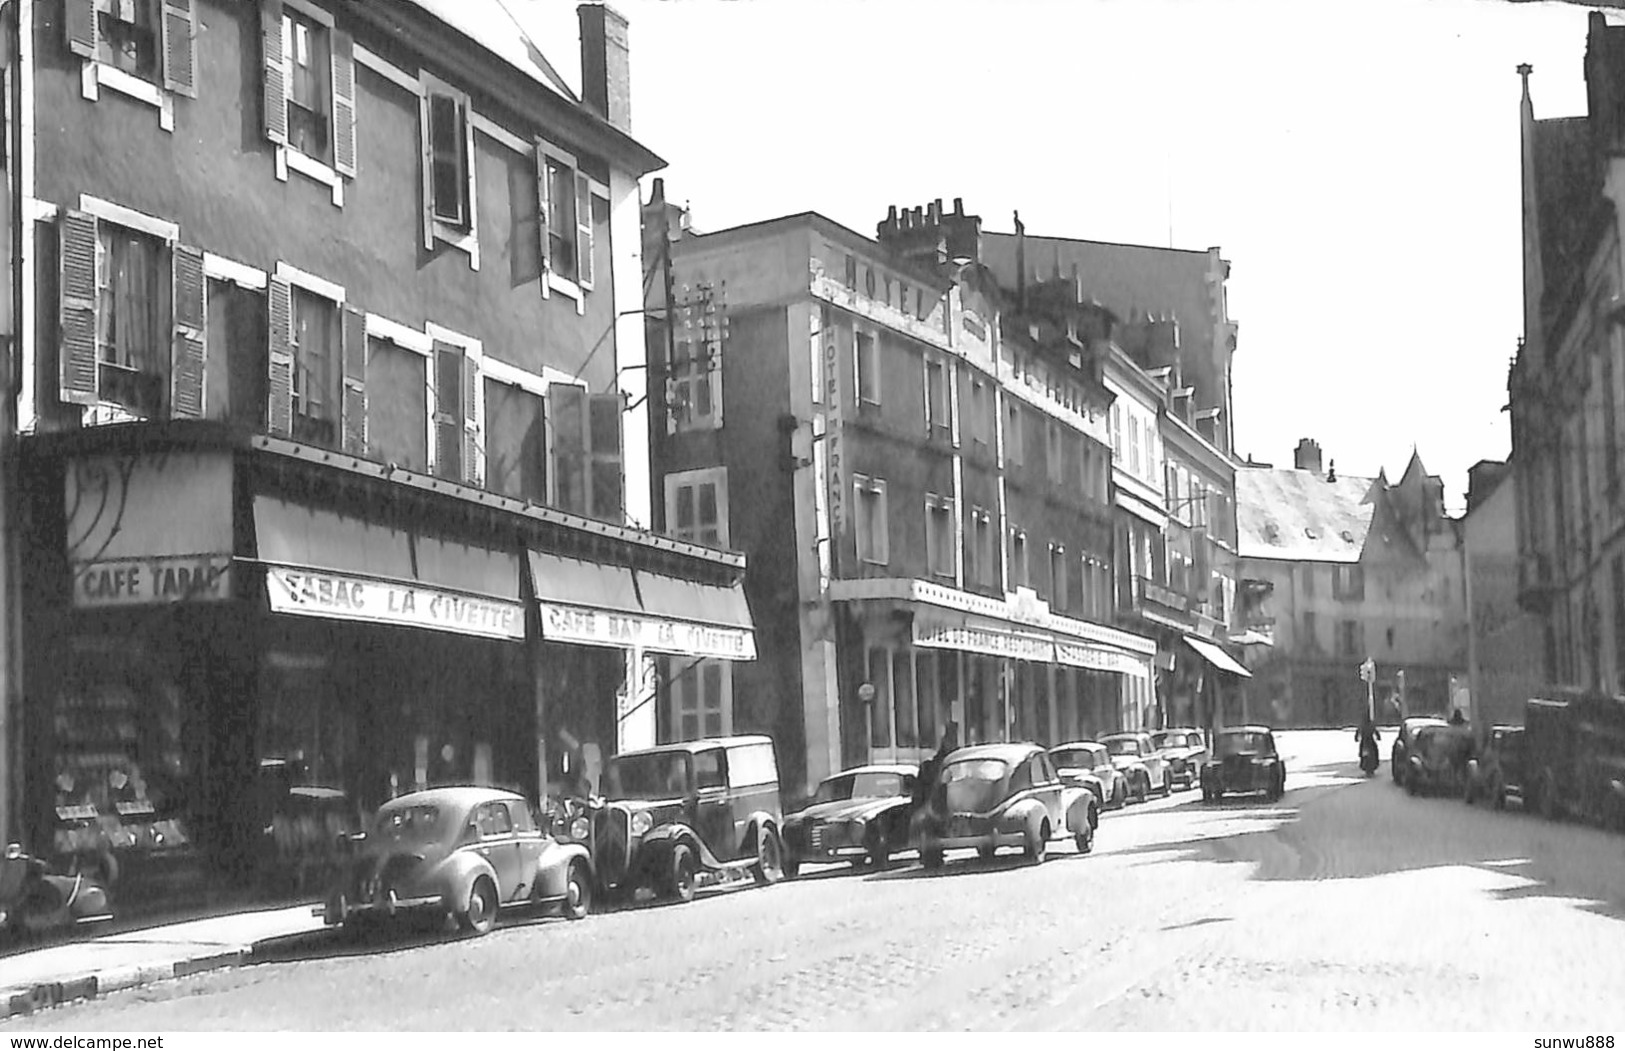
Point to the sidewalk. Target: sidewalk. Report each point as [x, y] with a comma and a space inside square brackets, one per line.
[91, 967]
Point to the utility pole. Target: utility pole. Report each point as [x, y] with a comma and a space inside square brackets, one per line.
[10, 311]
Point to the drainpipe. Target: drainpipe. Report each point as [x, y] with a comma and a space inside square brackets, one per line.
[11, 230]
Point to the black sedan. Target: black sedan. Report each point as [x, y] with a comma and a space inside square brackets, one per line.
[1244, 759]
[859, 815]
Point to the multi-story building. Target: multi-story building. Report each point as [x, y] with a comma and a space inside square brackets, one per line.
[326, 468]
[1503, 641]
[1566, 381]
[1351, 569]
[919, 481]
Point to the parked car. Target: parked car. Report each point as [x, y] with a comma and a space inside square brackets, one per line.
[1185, 751]
[460, 852]
[1137, 757]
[302, 825]
[990, 796]
[1399, 762]
[1575, 755]
[1092, 765]
[1496, 773]
[1438, 758]
[684, 815]
[1244, 760]
[859, 815]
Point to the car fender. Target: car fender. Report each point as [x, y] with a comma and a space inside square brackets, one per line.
[1022, 812]
[461, 869]
[1077, 814]
[553, 867]
[762, 819]
[660, 841]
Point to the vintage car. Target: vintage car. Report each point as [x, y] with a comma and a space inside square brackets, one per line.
[302, 826]
[858, 815]
[1437, 760]
[1137, 757]
[685, 815]
[1399, 764]
[989, 796]
[1244, 760]
[1091, 765]
[1496, 773]
[460, 852]
[1185, 751]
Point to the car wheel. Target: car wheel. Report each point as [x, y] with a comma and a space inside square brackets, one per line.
[1037, 843]
[1085, 840]
[680, 875]
[1143, 790]
[480, 914]
[768, 868]
[1119, 794]
[1167, 785]
[577, 891]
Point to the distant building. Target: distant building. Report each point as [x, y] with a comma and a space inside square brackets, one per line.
[1349, 569]
[1504, 641]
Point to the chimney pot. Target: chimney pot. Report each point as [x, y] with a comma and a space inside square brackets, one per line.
[959, 206]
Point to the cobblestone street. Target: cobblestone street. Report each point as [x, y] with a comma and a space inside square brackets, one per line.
[1347, 906]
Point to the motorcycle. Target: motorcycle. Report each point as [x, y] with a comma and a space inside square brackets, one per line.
[1369, 760]
[34, 899]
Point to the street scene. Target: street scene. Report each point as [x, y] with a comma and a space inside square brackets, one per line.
[468, 560]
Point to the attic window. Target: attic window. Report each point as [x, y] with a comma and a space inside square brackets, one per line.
[1312, 533]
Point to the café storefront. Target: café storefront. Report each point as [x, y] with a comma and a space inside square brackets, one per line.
[234, 647]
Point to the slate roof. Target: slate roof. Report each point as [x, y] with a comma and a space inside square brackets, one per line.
[1283, 513]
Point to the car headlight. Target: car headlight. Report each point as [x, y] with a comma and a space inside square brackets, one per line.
[642, 822]
[579, 828]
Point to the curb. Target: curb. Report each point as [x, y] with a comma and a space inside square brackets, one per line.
[25, 1000]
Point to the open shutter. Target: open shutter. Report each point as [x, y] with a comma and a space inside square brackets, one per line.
[343, 103]
[187, 363]
[583, 231]
[79, 21]
[76, 288]
[544, 211]
[426, 160]
[471, 420]
[279, 402]
[276, 72]
[604, 438]
[179, 28]
[354, 404]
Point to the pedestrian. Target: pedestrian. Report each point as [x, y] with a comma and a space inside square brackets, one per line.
[1458, 719]
[573, 783]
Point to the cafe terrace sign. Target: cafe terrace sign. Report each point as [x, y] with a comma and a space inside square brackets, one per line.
[597, 627]
[310, 593]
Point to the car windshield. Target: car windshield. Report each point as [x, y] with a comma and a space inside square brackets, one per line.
[1075, 758]
[973, 784]
[651, 775]
[867, 785]
[410, 824]
[1250, 743]
[1123, 746]
[1170, 740]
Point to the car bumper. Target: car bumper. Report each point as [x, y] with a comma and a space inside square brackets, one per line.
[990, 840]
[823, 854]
[342, 909]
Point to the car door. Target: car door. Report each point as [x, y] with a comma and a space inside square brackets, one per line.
[498, 846]
[1049, 791]
[713, 812]
[529, 841]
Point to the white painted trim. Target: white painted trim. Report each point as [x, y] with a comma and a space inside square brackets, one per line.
[41, 211]
[514, 376]
[219, 268]
[129, 217]
[598, 189]
[309, 282]
[564, 286]
[88, 85]
[384, 68]
[126, 84]
[490, 128]
[22, 81]
[314, 169]
[282, 164]
[398, 334]
[471, 346]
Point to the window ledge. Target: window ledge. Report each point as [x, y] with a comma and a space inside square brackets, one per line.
[288, 158]
[565, 286]
[463, 240]
[96, 75]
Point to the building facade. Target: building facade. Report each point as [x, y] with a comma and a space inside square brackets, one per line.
[326, 474]
[919, 481]
[1503, 641]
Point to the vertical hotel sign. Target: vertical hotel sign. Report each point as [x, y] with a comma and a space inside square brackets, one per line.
[830, 343]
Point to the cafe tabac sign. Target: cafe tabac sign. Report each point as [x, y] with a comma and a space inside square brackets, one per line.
[150, 581]
[309, 593]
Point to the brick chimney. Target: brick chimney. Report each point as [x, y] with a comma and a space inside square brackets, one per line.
[1307, 456]
[931, 237]
[606, 79]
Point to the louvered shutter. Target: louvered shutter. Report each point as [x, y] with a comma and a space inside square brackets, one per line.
[583, 231]
[187, 364]
[79, 22]
[76, 286]
[544, 211]
[354, 404]
[344, 159]
[279, 401]
[604, 440]
[426, 165]
[471, 420]
[276, 72]
[179, 29]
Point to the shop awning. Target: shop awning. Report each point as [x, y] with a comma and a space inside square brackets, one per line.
[948, 630]
[599, 605]
[1215, 656]
[322, 564]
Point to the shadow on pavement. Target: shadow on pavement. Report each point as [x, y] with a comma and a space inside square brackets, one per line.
[959, 864]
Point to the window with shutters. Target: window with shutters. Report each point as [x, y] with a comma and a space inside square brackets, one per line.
[398, 404]
[144, 49]
[701, 697]
[567, 218]
[447, 139]
[128, 37]
[1013, 438]
[1019, 577]
[309, 91]
[133, 328]
[1060, 594]
[310, 112]
[235, 353]
[696, 386]
[984, 568]
[516, 442]
[697, 506]
[936, 396]
[939, 535]
[867, 350]
[316, 382]
[870, 520]
[448, 410]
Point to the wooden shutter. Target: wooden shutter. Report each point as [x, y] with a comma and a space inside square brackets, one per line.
[566, 420]
[77, 370]
[471, 420]
[544, 211]
[276, 72]
[179, 32]
[426, 159]
[343, 48]
[79, 21]
[279, 401]
[353, 405]
[607, 483]
[187, 361]
[583, 231]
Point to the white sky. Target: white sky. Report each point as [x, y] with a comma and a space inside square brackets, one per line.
[1358, 163]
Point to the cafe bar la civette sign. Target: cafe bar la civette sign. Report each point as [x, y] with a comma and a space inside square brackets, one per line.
[310, 593]
[597, 627]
